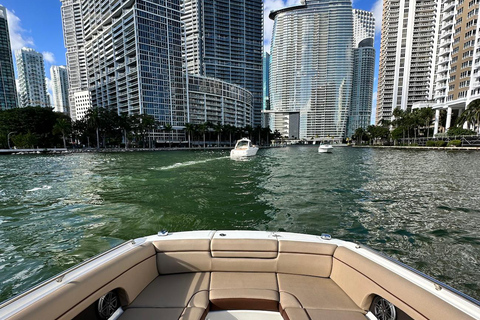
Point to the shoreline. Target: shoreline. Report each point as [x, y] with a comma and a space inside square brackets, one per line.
[422, 148]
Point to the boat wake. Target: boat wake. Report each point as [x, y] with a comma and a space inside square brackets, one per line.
[42, 188]
[188, 163]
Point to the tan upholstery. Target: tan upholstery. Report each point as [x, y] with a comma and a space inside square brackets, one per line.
[355, 274]
[130, 271]
[244, 265]
[176, 290]
[218, 245]
[313, 293]
[304, 264]
[306, 247]
[318, 314]
[152, 314]
[295, 314]
[178, 245]
[255, 291]
[182, 262]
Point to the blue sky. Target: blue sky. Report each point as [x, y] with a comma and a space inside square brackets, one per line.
[38, 24]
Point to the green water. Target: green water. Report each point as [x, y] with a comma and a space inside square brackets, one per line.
[421, 207]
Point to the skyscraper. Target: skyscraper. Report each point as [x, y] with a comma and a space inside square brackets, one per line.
[311, 69]
[457, 73]
[407, 54]
[224, 40]
[133, 56]
[59, 77]
[266, 89]
[8, 92]
[31, 78]
[363, 70]
[74, 40]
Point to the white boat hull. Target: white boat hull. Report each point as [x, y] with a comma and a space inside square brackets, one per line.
[325, 149]
[236, 153]
[228, 268]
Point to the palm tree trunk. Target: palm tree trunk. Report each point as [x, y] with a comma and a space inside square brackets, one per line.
[64, 142]
[98, 138]
[204, 144]
[189, 146]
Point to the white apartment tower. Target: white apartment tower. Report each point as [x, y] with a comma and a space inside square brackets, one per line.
[458, 68]
[407, 54]
[59, 77]
[73, 36]
[31, 79]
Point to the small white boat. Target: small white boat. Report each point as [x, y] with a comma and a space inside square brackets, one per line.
[243, 148]
[325, 148]
[239, 275]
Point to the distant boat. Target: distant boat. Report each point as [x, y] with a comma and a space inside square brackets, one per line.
[325, 148]
[243, 148]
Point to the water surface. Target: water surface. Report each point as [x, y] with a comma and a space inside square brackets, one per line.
[421, 207]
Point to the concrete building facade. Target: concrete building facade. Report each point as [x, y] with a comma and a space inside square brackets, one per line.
[8, 89]
[31, 78]
[410, 34]
[73, 36]
[458, 68]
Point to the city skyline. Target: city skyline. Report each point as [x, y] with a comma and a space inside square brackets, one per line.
[28, 28]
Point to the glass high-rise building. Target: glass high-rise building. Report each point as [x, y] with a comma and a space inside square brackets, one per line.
[363, 70]
[31, 78]
[311, 69]
[224, 40]
[266, 89]
[59, 77]
[132, 56]
[8, 91]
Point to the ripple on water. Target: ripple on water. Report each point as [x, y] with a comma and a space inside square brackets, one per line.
[423, 214]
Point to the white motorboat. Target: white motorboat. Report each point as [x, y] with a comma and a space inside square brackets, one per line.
[220, 275]
[325, 148]
[243, 148]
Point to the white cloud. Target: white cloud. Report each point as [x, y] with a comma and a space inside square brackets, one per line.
[49, 57]
[377, 10]
[49, 89]
[18, 39]
[268, 6]
[374, 107]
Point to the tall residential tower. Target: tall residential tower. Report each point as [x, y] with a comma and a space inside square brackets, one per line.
[224, 40]
[311, 69]
[407, 54]
[73, 36]
[59, 77]
[31, 78]
[8, 92]
[363, 70]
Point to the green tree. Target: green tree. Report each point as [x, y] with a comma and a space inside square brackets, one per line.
[359, 135]
[471, 116]
[63, 127]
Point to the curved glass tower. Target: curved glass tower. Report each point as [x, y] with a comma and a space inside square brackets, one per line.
[311, 69]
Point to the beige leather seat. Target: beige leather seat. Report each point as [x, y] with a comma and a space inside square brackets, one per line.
[320, 298]
[244, 290]
[172, 296]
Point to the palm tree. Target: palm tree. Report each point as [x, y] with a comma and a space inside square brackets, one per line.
[189, 127]
[218, 128]
[93, 121]
[359, 135]
[426, 115]
[62, 126]
[471, 115]
[125, 123]
[202, 128]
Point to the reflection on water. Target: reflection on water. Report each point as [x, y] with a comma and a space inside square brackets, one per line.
[420, 207]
